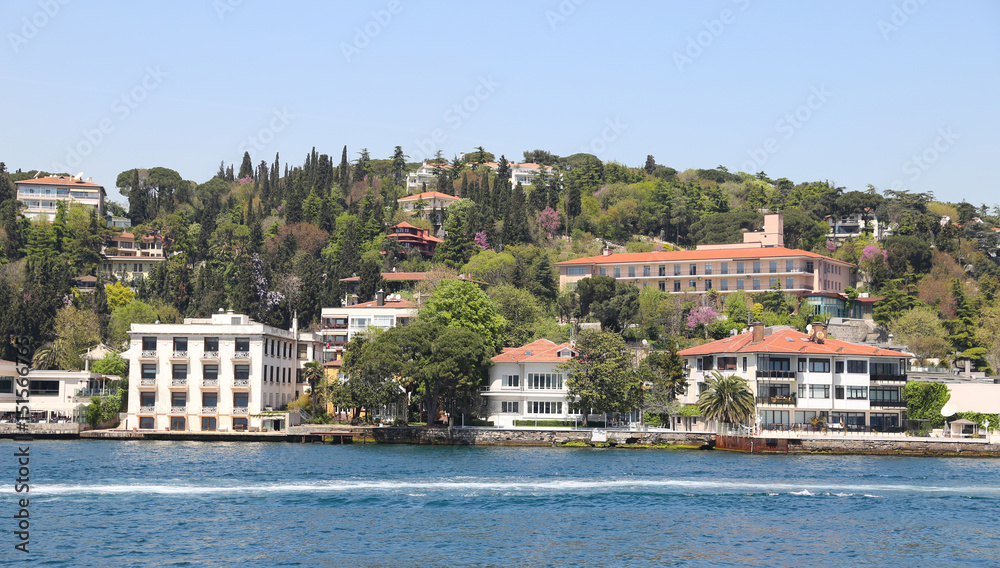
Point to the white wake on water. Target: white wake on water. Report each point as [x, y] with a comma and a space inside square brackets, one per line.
[466, 485]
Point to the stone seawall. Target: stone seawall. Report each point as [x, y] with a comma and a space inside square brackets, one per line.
[892, 447]
[531, 437]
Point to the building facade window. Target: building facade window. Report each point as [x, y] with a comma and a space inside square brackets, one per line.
[508, 407]
[789, 283]
[819, 391]
[756, 283]
[724, 268]
[180, 344]
[693, 270]
[576, 271]
[179, 372]
[677, 285]
[149, 371]
[546, 381]
[740, 284]
[545, 407]
[677, 270]
[211, 344]
[510, 381]
[819, 365]
[242, 344]
[724, 284]
[740, 267]
[149, 344]
[208, 423]
[857, 393]
[854, 366]
[646, 271]
[631, 272]
[772, 266]
[618, 272]
[708, 268]
[147, 422]
[756, 267]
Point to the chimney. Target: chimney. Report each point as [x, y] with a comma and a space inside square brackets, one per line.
[758, 331]
[607, 251]
[380, 298]
[818, 332]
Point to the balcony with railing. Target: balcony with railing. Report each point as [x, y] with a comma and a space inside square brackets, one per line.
[241, 410]
[241, 355]
[179, 356]
[210, 356]
[773, 374]
[87, 393]
[147, 355]
[147, 382]
[210, 383]
[888, 378]
[887, 404]
[241, 383]
[147, 409]
[178, 409]
[209, 409]
[785, 400]
[180, 383]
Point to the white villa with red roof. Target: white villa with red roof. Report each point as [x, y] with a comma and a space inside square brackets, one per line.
[42, 195]
[519, 172]
[340, 325]
[797, 377]
[127, 256]
[525, 384]
[427, 201]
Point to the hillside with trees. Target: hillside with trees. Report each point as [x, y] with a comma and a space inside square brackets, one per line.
[273, 239]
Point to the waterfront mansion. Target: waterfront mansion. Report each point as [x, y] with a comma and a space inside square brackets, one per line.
[798, 377]
[223, 373]
[526, 384]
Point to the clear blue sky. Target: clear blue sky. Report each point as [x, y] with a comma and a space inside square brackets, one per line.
[851, 92]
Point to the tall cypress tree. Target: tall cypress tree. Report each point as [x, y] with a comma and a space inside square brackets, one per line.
[344, 172]
[515, 219]
[398, 165]
[246, 168]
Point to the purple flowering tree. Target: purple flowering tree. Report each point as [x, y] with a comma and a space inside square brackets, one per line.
[481, 241]
[702, 315]
[548, 221]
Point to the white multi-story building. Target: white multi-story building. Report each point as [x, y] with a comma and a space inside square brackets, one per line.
[427, 201]
[340, 325]
[799, 377]
[42, 195]
[526, 384]
[524, 173]
[53, 396]
[853, 226]
[223, 373]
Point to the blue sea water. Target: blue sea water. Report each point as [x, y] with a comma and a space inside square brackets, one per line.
[136, 503]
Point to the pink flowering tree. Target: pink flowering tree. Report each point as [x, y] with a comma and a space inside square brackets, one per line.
[702, 315]
[874, 264]
[481, 241]
[548, 221]
[245, 180]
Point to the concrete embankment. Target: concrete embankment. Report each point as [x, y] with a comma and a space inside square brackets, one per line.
[888, 447]
[539, 437]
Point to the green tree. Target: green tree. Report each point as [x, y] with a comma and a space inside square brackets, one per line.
[371, 364]
[924, 401]
[118, 295]
[458, 365]
[601, 377]
[111, 364]
[520, 309]
[922, 331]
[122, 319]
[664, 373]
[727, 399]
[246, 167]
[460, 303]
[313, 374]
[76, 330]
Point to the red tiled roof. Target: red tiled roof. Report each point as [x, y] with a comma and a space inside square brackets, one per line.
[408, 277]
[711, 254]
[789, 341]
[428, 195]
[538, 351]
[60, 180]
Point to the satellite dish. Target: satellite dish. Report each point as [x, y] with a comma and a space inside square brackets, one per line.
[78, 176]
[949, 409]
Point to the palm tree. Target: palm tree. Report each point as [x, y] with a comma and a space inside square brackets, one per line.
[727, 399]
[313, 373]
